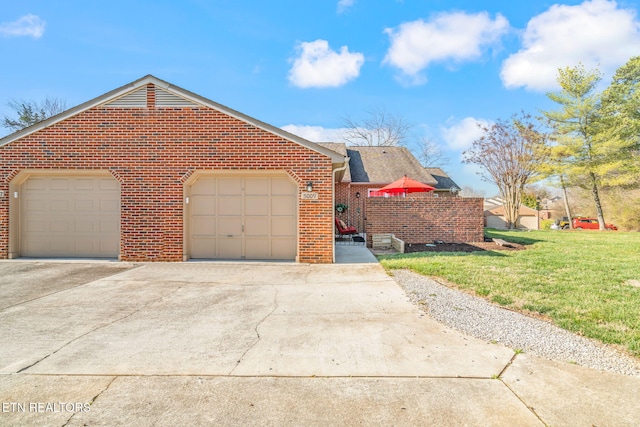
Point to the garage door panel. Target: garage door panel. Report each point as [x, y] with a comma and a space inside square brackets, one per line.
[70, 216]
[229, 248]
[35, 184]
[256, 206]
[59, 226]
[283, 248]
[36, 205]
[203, 225]
[230, 205]
[87, 184]
[282, 205]
[203, 247]
[282, 186]
[243, 209]
[59, 205]
[256, 186]
[84, 245]
[203, 186]
[84, 226]
[229, 226]
[108, 206]
[258, 248]
[203, 205]
[283, 227]
[110, 227]
[229, 186]
[85, 205]
[256, 226]
[59, 184]
[35, 226]
[108, 184]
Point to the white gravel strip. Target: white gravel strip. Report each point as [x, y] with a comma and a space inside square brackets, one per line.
[481, 319]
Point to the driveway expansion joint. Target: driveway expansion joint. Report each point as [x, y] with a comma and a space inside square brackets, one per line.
[529, 408]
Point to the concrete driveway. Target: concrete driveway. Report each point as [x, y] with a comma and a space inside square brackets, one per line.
[264, 344]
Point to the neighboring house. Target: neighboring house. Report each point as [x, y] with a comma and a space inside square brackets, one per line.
[369, 169]
[152, 172]
[495, 218]
[439, 216]
[444, 184]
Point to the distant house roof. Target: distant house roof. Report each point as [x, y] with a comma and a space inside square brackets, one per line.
[383, 165]
[494, 206]
[444, 181]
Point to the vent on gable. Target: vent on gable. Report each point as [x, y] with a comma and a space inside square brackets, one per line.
[135, 99]
[168, 99]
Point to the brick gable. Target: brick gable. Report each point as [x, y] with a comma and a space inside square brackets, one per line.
[152, 151]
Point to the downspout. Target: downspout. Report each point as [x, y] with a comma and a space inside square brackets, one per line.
[333, 203]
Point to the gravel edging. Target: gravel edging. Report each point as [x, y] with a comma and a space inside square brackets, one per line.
[481, 319]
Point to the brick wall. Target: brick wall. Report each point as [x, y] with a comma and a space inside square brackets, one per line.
[426, 218]
[151, 151]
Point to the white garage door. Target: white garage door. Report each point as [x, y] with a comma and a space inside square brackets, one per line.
[234, 217]
[70, 217]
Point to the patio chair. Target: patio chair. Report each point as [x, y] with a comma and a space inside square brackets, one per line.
[343, 229]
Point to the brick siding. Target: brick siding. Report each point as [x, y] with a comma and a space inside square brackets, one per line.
[151, 151]
[425, 218]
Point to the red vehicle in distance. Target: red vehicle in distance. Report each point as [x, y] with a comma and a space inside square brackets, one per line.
[582, 223]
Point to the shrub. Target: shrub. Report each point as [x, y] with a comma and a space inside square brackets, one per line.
[545, 224]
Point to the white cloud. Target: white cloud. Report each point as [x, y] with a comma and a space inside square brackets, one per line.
[455, 36]
[316, 133]
[343, 5]
[28, 25]
[596, 33]
[460, 135]
[319, 66]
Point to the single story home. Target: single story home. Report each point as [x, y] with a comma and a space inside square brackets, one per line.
[494, 216]
[415, 218]
[153, 172]
[371, 168]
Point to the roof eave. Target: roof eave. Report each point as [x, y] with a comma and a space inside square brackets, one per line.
[335, 157]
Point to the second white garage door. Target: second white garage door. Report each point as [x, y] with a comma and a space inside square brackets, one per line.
[243, 217]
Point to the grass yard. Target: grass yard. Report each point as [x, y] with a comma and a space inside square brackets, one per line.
[581, 280]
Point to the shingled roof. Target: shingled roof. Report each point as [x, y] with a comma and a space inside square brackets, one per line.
[383, 165]
[444, 181]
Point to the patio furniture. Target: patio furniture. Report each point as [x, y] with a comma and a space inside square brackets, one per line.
[343, 229]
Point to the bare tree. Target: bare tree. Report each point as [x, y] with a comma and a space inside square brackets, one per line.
[30, 112]
[509, 153]
[468, 191]
[379, 128]
[430, 154]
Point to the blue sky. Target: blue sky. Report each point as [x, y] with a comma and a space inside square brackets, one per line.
[440, 65]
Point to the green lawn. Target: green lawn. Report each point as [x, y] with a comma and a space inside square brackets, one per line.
[578, 279]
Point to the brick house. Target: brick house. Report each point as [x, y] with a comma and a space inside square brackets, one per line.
[417, 218]
[152, 172]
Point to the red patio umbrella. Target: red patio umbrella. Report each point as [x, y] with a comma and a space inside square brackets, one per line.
[406, 185]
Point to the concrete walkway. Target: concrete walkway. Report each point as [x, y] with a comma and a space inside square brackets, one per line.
[268, 344]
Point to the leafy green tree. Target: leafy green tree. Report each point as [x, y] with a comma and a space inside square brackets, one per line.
[30, 112]
[620, 125]
[580, 155]
[530, 200]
